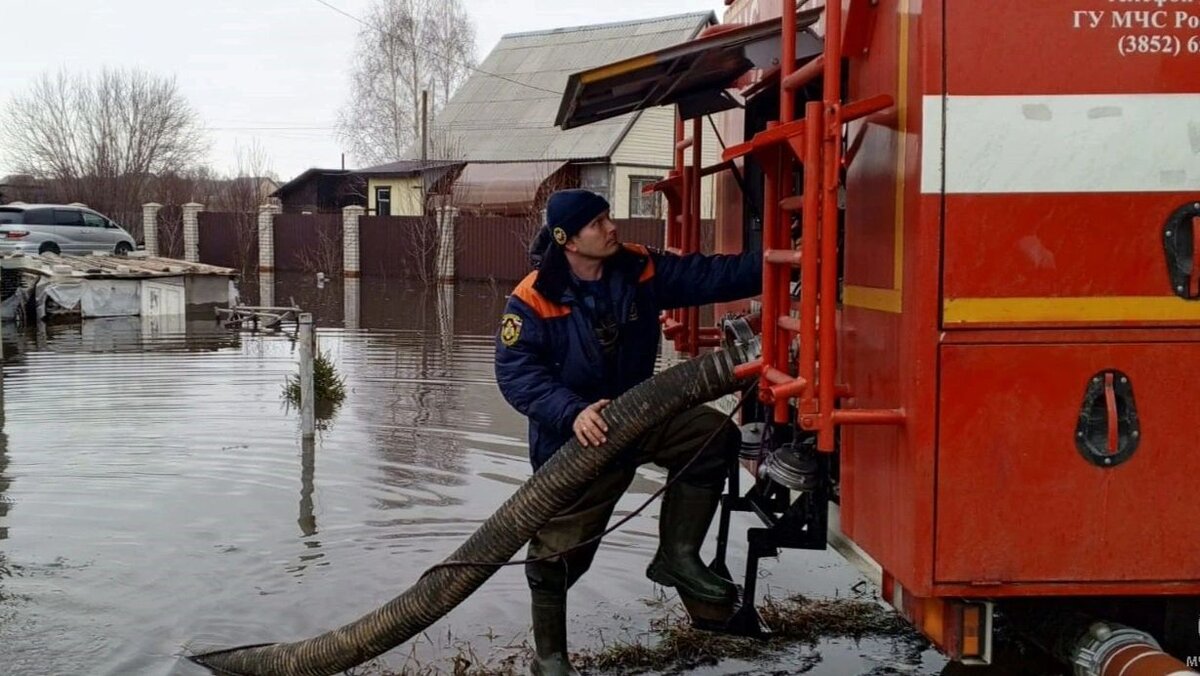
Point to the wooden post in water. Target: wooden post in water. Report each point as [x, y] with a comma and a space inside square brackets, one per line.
[308, 344]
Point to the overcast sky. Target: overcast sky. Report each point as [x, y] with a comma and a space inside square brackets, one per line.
[271, 70]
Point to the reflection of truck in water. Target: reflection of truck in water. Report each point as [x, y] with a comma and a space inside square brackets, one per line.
[980, 320]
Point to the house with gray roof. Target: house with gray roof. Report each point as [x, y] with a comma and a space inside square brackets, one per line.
[500, 125]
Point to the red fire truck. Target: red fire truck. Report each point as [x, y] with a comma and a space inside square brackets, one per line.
[980, 322]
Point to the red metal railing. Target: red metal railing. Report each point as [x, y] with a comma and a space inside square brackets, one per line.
[682, 189]
[816, 142]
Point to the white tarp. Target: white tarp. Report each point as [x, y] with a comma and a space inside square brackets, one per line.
[91, 297]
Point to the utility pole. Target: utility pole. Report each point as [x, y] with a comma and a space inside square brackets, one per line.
[424, 124]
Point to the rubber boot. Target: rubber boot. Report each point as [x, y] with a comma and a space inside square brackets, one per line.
[550, 636]
[687, 511]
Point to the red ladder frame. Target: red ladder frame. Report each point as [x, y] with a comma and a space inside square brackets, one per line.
[816, 142]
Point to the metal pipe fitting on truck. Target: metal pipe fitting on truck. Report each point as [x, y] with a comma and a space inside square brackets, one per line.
[1094, 647]
[1108, 649]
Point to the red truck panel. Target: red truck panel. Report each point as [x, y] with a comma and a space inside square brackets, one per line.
[1017, 501]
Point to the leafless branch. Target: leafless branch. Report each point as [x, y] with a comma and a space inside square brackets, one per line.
[406, 46]
[324, 254]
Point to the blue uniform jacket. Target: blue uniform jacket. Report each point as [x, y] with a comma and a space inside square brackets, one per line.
[548, 359]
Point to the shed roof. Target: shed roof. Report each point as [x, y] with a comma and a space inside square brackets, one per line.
[304, 176]
[500, 119]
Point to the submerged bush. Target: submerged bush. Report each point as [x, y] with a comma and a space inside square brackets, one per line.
[328, 386]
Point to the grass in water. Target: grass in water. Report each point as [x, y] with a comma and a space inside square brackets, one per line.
[672, 645]
[676, 645]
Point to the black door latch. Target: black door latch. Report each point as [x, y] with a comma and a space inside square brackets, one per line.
[1183, 256]
[1108, 431]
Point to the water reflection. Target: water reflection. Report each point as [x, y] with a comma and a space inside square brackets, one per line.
[308, 461]
[308, 518]
[4, 481]
[119, 335]
[350, 303]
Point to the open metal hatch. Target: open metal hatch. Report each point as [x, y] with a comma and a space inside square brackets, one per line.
[693, 75]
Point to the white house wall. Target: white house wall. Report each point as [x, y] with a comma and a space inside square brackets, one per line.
[649, 150]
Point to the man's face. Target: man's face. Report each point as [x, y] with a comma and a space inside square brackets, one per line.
[597, 239]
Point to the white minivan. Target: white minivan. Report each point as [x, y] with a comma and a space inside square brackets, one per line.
[59, 228]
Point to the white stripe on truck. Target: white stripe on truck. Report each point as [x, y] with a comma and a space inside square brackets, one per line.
[1061, 144]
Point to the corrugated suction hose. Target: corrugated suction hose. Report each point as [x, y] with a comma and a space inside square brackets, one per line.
[555, 486]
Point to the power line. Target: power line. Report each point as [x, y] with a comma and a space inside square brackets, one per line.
[443, 57]
[270, 128]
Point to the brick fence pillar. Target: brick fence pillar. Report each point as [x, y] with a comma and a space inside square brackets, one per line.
[266, 236]
[191, 231]
[150, 227]
[350, 240]
[446, 217]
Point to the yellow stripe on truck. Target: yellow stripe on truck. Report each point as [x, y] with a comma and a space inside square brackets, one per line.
[1058, 310]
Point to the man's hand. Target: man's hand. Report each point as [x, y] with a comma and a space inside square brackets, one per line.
[589, 427]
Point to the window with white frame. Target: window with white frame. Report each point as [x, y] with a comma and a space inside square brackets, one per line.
[642, 204]
[383, 201]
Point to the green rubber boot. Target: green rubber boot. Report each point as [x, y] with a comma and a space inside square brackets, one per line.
[687, 511]
[550, 636]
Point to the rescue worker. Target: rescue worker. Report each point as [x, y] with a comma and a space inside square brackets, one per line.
[576, 333]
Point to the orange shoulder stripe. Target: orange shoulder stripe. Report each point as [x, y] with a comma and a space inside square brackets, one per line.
[541, 305]
[648, 271]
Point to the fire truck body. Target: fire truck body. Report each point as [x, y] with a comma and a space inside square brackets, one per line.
[1033, 184]
[1016, 352]
[1007, 239]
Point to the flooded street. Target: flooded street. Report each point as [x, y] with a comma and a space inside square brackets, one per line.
[156, 498]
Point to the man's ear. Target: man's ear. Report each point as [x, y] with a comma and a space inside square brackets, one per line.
[571, 246]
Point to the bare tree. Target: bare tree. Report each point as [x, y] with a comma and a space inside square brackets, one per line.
[242, 194]
[407, 46]
[450, 34]
[102, 137]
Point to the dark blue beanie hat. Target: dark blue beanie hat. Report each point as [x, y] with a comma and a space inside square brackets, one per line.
[568, 211]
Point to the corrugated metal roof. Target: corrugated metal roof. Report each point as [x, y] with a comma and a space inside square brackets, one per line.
[490, 119]
[120, 267]
[412, 167]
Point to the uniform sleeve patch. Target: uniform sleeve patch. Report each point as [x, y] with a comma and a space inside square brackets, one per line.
[510, 329]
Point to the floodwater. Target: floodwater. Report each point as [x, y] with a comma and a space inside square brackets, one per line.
[156, 498]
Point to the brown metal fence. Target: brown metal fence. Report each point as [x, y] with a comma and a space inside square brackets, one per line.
[398, 247]
[170, 231]
[229, 239]
[308, 243]
[491, 247]
[647, 231]
[402, 247]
